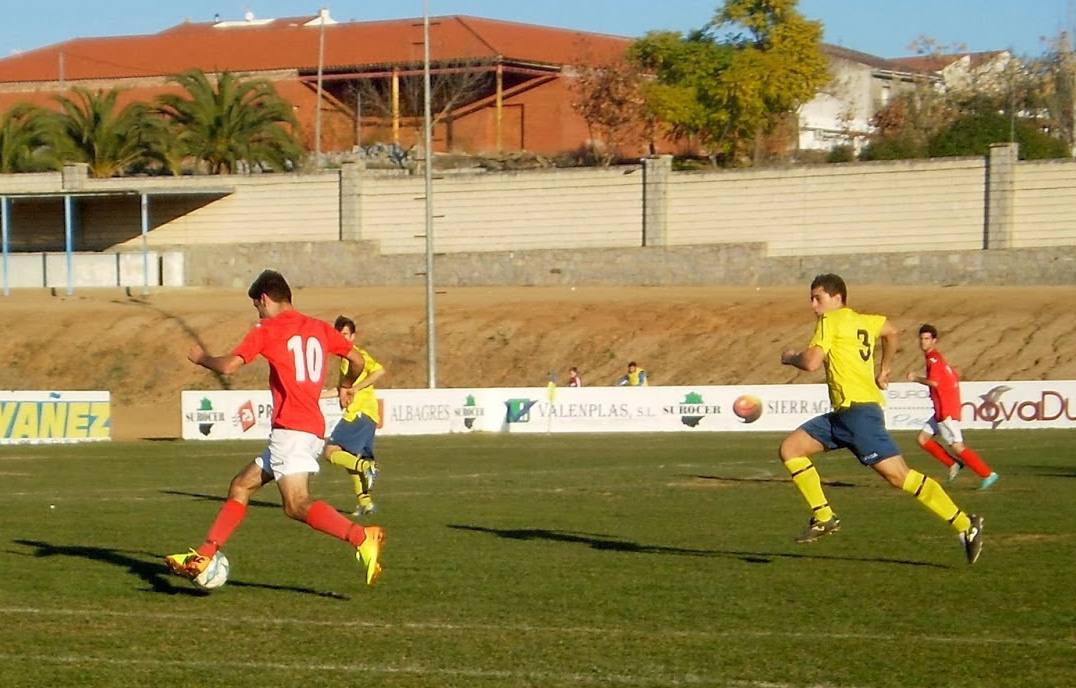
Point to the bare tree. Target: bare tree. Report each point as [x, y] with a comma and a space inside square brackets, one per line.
[609, 98]
[453, 84]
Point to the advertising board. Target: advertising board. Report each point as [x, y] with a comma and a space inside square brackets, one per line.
[54, 417]
[730, 408]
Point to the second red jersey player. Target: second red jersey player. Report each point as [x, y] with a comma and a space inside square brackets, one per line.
[945, 392]
[944, 385]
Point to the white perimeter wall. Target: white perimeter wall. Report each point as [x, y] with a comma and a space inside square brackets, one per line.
[853, 208]
[1044, 205]
[507, 211]
[926, 205]
[262, 208]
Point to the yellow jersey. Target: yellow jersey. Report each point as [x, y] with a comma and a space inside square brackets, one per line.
[848, 339]
[365, 401]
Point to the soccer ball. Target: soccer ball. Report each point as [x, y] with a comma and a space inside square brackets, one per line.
[215, 575]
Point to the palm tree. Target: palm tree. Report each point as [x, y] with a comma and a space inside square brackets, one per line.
[22, 140]
[165, 148]
[233, 123]
[89, 129]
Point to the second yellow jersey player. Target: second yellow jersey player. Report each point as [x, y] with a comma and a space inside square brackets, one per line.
[351, 443]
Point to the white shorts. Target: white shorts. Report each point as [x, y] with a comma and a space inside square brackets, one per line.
[290, 451]
[949, 430]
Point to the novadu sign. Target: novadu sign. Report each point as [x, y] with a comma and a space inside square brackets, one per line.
[997, 406]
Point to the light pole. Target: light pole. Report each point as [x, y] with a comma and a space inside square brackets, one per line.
[317, 100]
[431, 329]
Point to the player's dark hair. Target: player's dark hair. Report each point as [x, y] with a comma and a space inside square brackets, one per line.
[272, 284]
[831, 284]
[632, 363]
[343, 321]
[928, 329]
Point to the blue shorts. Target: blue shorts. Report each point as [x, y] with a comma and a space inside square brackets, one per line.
[355, 436]
[859, 428]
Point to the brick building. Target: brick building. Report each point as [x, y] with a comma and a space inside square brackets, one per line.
[503, 85]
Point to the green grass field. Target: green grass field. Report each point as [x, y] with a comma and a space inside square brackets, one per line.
[649, 560]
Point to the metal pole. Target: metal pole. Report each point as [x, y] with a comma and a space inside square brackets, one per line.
[317, 104]
[145, 244]
[69, 221]
[499, 108]
[431, 329]
[358, 115]
[3, 240]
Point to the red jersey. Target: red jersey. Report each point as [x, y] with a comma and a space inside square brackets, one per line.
[297, 348]
[946, 395]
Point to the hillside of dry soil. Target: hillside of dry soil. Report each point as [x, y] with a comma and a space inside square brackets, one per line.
[136, 346]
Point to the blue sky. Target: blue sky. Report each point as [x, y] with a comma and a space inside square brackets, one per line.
[880, 27]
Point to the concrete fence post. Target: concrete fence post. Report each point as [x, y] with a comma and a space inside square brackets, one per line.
[74, 175]
[1000, 192]
[656, 174]
[351, 173]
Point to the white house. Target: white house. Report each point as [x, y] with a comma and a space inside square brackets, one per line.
[985, 71]
[862, 85]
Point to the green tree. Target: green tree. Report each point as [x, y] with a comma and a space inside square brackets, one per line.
[1052, 89]
[89, 129]
[973, 134]
[739, 78]
[230, 123]
[23, 141]
[684, 93]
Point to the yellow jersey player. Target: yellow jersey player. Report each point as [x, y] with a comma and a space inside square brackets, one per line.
[845, 342]
[351, 443]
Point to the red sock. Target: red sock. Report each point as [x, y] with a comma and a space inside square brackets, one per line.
[938, 452]
[973, 461]
[228, 519]
[329, 521]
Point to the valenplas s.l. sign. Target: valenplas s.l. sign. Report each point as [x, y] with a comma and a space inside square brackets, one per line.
[54, 417]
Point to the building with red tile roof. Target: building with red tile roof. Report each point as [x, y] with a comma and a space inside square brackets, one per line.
[516, 94]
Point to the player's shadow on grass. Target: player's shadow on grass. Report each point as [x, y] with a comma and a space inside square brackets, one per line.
[149, 567]
[723, 479]
[606, 543]
[217, 498]
[1053, 472]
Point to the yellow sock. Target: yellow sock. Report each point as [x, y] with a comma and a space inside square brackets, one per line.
[805, 476]
[342, 458]
[357, 482]
[931, 495]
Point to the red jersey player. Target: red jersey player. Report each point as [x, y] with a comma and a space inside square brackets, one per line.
[574, 380]
[944, 386]
[296, 347]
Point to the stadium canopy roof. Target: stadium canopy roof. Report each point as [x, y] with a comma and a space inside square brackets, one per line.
[69, 196]
[91, 193]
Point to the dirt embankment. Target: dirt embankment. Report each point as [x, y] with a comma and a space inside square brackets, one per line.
[136, 347]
